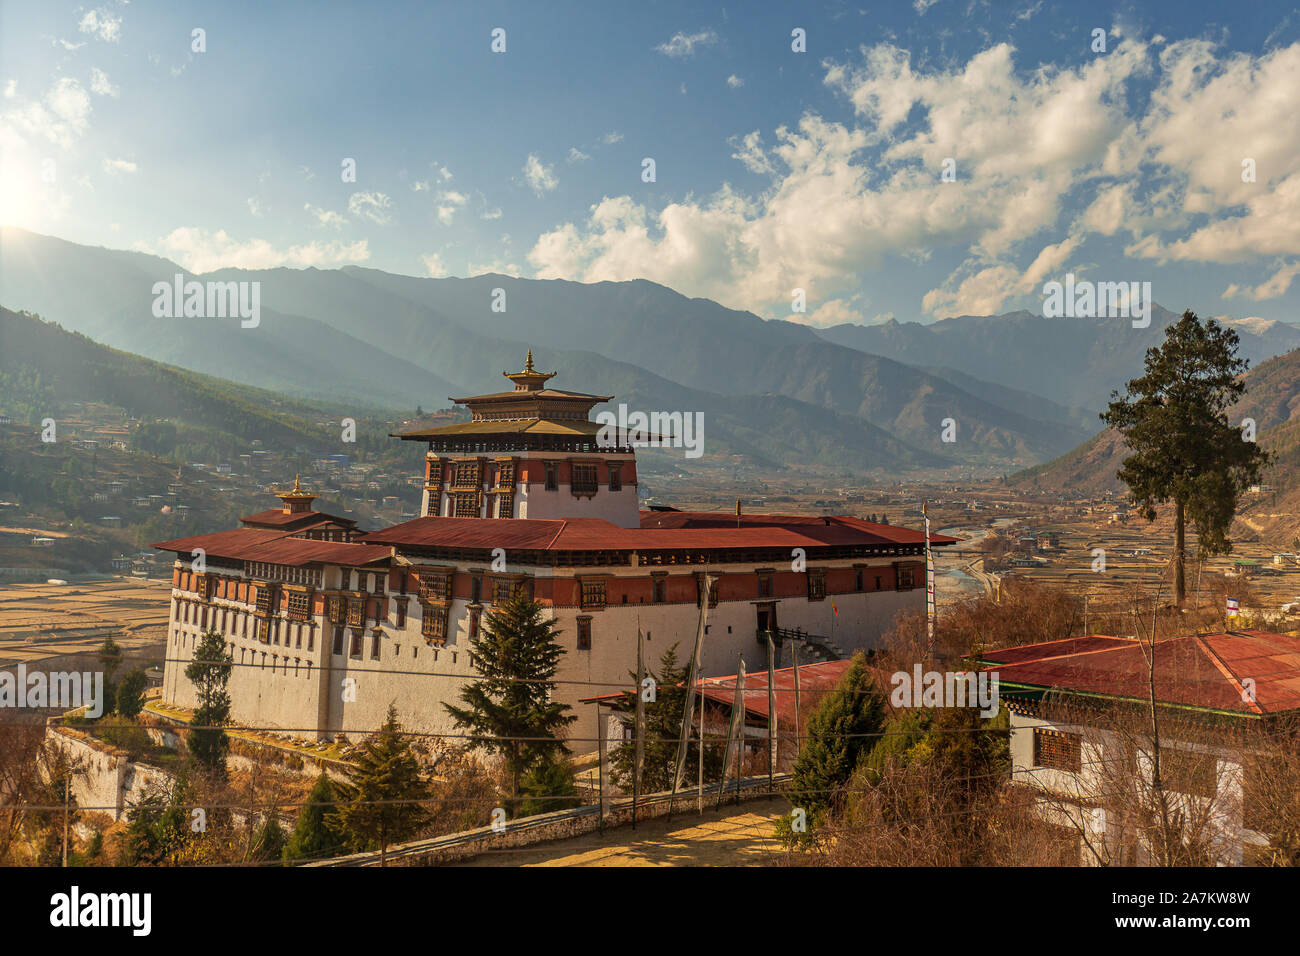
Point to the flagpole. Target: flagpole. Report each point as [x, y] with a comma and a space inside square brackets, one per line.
[929, 580]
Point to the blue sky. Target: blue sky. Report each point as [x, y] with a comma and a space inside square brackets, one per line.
[774, 169]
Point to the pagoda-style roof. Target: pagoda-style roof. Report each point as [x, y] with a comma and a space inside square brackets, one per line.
[528, 410]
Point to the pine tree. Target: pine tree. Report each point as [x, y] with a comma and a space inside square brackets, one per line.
[663, 730]
[209, 672]
[384, 791]
[842, 730]
[510, 711]
[130, 694]
[110, 658]
[315, 836]
[547, 786]
[268, 840]
[1175, 420]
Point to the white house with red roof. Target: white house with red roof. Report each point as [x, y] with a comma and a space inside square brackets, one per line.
[327, 625]
[1080, 719]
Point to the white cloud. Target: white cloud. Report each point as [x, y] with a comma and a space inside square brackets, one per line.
[200, 251]
[734, 81]
[420, 186]
[684, 45]
[254, 206]
[374, 206]
[113, 166]
[540, 177]
[325, 217]
[490, 214]
[11, 88]
[433, 266]
[60, 118]
[609, 139]
[577, 156]
[1271, 288]
[101, 84]
[920, 6]
[102, 24]
[448, 202]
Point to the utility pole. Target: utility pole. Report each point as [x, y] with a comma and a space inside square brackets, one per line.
[67, 800]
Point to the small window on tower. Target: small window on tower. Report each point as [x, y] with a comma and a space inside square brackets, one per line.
[659, 586]
[615, 478]
[584, 633]
[583, 479]
[552, 476]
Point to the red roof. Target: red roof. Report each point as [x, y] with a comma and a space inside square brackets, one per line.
[596, 534]
[1208, 671]
[827, 526]
[275, 547]
[814, 680]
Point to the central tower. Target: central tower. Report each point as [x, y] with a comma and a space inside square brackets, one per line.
[531, 452]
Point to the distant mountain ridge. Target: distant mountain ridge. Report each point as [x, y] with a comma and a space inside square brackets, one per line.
[394, 342]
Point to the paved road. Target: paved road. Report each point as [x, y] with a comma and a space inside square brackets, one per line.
[734, 836]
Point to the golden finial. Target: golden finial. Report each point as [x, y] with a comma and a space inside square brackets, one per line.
[528, 365]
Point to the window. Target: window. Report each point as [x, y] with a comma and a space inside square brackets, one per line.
[475, 588]
[465, 474]
[356, 613]
[506, 474]
[1056, 750]
[336, 609]
[816, 585]
[435, 586]
[584, 633]
[711, 584]
[877, 582]
[906, 577]
[465, 505]
[355, 650]
[615, 478]
[593, 592]
[659, 588]
[374, 644]
[583, 479]
[475, 615]
[299, 605]
[434, 624]
[311, 637]
[859, 579]
[764, 583]
[401, 613]
[552, 476]
[338, 640]
[505, 506]
[1188, 771]
[503, 589]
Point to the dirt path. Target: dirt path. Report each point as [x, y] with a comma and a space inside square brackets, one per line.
[734, 836]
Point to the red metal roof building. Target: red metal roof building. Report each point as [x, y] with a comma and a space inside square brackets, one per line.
[318, 612]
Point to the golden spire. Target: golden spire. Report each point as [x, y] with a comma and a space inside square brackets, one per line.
[529, 380]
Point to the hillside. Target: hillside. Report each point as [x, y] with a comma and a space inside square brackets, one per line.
[1072, 361]
[398, 341]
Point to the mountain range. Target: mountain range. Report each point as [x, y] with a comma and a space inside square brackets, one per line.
[1018, 388]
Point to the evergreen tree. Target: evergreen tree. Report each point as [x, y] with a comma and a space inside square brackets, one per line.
[130, 694]
[510, 711]
[663, 731]
[1175, 421]
[384, 791]
[110, 658]
[842, 730]
[316, 835]
[209, 671]
[268, 840]
[159, 825]
[547, 786]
